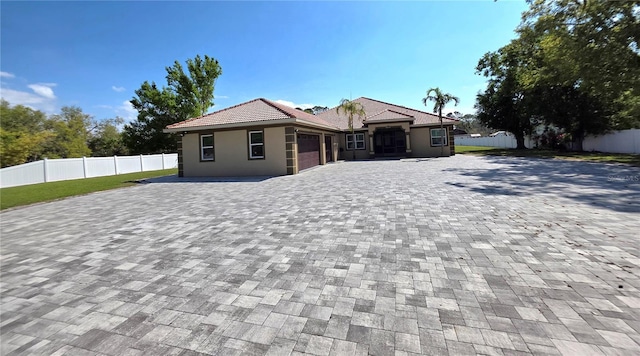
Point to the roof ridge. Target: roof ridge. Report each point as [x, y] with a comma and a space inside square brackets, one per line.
[280, 107]
[400, 106]
[211, 113]
[401, 113]
[275, 106]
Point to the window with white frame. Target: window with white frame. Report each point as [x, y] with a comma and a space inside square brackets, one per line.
[256, 144]
[355, 140]
[206, 147]
[438, 136]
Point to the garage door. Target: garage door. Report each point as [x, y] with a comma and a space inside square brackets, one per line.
[308, 151]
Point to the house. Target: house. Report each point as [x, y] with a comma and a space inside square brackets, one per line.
[264, 138]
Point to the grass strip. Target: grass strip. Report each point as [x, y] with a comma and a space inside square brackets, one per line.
[601, 157]
[36, 193]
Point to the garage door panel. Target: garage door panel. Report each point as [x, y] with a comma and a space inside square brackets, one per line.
[308, 151]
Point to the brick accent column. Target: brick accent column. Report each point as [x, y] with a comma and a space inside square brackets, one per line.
[180, 159]
[290, 148]
[452, 142]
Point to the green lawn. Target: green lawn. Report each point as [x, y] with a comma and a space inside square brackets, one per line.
[36, 193]
[630, 159]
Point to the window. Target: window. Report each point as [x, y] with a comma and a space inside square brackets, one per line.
[437, 135]
[206, 147]
[355, 139]
[256, 145]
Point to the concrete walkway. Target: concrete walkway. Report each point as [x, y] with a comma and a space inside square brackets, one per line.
[460, 255]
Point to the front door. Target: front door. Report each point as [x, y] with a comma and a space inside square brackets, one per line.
[390, 143]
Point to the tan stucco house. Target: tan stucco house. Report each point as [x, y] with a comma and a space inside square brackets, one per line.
[265, 138]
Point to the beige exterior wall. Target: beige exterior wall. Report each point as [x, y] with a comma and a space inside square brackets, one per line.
[231, 151]
[421, 142]
[343, 154]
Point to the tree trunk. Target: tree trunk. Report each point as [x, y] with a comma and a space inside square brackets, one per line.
[577, 142]
[520, 141]
[441, 133]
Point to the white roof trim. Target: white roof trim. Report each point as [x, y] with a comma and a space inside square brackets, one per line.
[249, 124]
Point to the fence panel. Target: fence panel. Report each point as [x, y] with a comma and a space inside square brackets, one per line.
[171, 160]
[129, 164]
[64, 169]
[152, 162]
[28, 173]
[627, 141]
[100, 167]
[75, 168]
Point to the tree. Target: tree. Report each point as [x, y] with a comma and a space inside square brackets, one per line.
[351, 109]
[314, 110]
[440, 99]
[318, 109]
[72, 128]
[23, 134]
[586, 64]
[106, 140]
[470, 123]
[195, 89]
[509, 103]
[185, 96]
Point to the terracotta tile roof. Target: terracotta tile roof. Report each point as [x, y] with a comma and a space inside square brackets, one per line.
[388, 115]
[375, 107]
[257, 110]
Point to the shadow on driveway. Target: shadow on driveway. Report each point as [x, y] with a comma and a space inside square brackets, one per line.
[610, 186]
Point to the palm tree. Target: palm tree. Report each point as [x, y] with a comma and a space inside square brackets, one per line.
[351, 109]
[440, 99]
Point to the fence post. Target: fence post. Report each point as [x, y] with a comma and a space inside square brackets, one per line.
[84, 166]
[163, 161]
[141, 165]
[45, 163]
[115, 163]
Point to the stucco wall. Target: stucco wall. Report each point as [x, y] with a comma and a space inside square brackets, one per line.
[231, 150]
[421, 143]
[348, 155]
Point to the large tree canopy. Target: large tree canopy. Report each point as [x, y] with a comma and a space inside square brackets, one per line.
[185, 96]
[574, 65]
[23, 134]
[28, 135]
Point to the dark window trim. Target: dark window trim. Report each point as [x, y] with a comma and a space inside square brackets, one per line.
[249, 144]
[213, 146]
[364, 141]
[446, 137]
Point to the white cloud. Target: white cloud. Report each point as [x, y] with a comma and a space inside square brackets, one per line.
[291, 104]
[126, 111]
[7, 75]
[118, 89]
[42, 98]
[43, 89]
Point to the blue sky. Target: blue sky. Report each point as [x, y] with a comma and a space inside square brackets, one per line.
[95, 54]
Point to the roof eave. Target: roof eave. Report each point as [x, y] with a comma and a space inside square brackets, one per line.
[231, 125]
[373, 122]
[314, 124]
[250, 123]
[433, 124]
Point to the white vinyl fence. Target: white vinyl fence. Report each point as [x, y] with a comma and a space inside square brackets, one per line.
[51, 170]
[627, 141]
[502, 141]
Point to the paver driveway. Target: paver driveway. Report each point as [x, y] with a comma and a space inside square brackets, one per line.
[459, 255]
